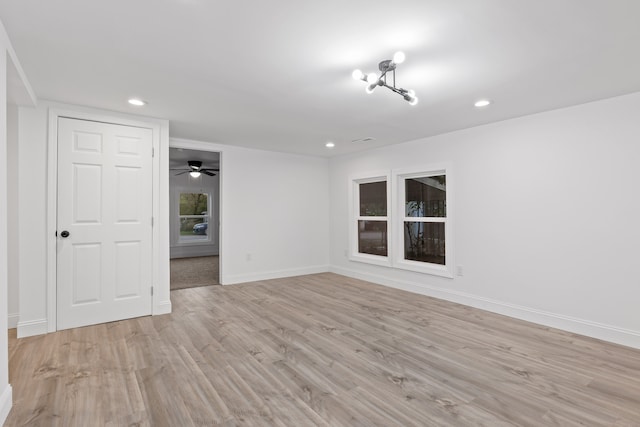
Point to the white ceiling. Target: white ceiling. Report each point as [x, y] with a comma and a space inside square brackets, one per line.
[276, 75]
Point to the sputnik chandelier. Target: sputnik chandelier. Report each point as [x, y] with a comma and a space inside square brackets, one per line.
[386, 66]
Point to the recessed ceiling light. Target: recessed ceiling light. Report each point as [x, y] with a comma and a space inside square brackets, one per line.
[482, 103]
[137, 102]
[329, 144]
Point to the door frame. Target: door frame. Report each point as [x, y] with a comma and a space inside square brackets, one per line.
[161, 304]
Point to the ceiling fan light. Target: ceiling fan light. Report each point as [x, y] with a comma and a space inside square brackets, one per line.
[195, 164]
[194, 174]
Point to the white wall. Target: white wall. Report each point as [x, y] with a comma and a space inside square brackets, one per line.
[32, 226]
[545, 221]
[14, 89]
[12, 214]
[274, 213]
[202, 184]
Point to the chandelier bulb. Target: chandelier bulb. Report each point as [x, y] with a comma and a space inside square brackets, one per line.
[399, 57]
[410, 97]
[357, 75]
[372, 78]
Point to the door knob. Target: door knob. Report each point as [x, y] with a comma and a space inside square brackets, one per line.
[64, 234]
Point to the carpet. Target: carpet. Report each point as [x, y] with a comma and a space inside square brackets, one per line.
[194, 272]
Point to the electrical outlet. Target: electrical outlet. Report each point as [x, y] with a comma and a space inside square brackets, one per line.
[460, 271]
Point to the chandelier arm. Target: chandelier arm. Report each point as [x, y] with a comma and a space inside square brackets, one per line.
[383, 77]
[399, 91]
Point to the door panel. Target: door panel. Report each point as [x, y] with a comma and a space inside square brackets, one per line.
[87, 194]
[105, 203]
[128, 274]
[86, 283]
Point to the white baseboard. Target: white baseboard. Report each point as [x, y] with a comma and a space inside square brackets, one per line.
[163, 307]
[13, 320]
[6, 401]
[597, 330]
[32, 327]
[233, 279]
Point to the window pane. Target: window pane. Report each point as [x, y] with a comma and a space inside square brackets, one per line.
[372, 237]
[426, 197]
[193, 204]
[424, 241]
[193, 229]
[373, 199]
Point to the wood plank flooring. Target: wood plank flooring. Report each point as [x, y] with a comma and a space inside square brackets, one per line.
[320, 350]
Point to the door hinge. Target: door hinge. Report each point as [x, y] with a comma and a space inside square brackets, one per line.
[153, 151]
[152, 291]
[152, 221]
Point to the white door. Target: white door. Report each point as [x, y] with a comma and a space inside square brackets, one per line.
[104, 231]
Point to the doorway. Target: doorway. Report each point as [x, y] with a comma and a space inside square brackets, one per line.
[194, 201]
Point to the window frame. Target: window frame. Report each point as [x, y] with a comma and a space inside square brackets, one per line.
[208, 217]
[355, 217]
[399, 177]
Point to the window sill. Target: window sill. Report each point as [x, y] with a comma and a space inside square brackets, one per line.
[370, 259]
[425, 268]
[194, 243]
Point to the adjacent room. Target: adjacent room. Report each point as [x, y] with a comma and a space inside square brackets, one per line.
[195, 208]
[319, 214]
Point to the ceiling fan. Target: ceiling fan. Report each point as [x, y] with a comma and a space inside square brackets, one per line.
[195, 169]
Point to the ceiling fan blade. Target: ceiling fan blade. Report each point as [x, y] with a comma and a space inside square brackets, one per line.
[206, 172]
[209, 169]
[181, 173]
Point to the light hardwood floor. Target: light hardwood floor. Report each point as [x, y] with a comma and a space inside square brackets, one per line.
[320, 350]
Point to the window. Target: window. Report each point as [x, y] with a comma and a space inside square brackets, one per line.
[422, 225]
[413, 233]
[370, 222]
[194, 217]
